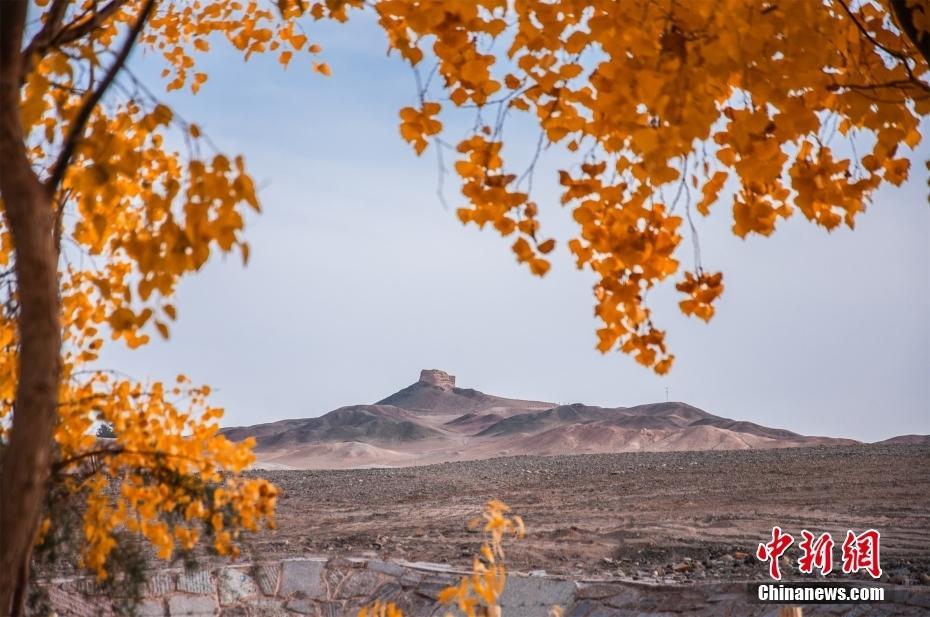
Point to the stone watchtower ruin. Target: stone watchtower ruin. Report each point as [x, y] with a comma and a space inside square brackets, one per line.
[440, 379]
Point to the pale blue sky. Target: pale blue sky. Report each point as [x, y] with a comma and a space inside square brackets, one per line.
[359, 278]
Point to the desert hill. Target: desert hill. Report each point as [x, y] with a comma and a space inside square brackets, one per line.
[914, 440]
[433, 421]
[435, 393]
[362, 423]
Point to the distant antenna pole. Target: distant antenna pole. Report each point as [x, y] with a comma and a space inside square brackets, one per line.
[666, 394]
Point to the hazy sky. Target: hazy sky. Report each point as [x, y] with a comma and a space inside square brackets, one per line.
[359, 278]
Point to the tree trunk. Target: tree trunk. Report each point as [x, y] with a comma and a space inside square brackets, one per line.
[29, 216]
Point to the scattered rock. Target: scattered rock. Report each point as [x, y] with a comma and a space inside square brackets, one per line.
[304, 576]
[233, 585]
[191, 606]
[361, 583]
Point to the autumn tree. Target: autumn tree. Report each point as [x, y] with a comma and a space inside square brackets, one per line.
[787, 105]
[100, 221]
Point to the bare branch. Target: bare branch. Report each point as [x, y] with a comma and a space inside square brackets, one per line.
[76, 130]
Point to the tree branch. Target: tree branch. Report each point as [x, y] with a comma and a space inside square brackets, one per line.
[60, 219]
[48, 37]
[115, 450]
[43, 38]
[76, 130]
[82, 26]
[108, 451]
[868, 35]
[898, 84]
[901, 56]
[905, 18]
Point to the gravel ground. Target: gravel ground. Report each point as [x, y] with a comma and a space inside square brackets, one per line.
[668, 517]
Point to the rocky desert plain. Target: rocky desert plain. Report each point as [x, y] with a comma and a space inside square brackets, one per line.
[662, 494]
[631, 511]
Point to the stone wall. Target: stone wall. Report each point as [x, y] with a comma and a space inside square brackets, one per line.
[335, 587]
[437, 378]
